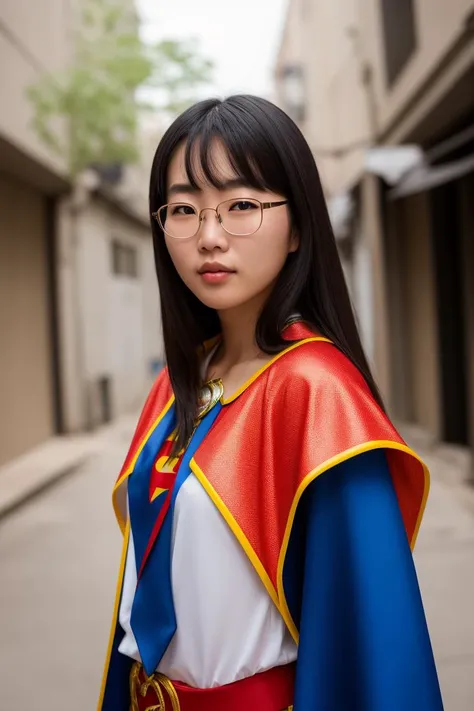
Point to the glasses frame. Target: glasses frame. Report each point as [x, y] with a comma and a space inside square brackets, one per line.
[263, 206]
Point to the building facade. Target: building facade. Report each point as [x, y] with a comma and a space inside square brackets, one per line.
[33, 40]
[79, 325]
[386, 74]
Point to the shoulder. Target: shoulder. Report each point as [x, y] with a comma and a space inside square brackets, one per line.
[158, 397]
[162, 383]
[318, 368]
[320, 404]
[316, 385]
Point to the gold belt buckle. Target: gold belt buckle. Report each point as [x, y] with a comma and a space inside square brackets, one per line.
[156, 681]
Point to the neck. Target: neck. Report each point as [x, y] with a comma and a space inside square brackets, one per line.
[238, 332]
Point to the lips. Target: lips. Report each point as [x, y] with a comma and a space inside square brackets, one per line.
[215, 268]
[214, 273]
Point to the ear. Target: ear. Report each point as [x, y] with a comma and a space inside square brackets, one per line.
[294, 242]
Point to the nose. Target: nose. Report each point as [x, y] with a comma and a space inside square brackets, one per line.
[211, 233]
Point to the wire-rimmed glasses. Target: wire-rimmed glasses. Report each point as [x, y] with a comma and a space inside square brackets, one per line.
[238, 216]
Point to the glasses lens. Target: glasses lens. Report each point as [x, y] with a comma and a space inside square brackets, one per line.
[179, 220]
[241, 216]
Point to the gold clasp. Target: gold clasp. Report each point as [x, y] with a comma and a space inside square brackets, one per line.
[155, 681]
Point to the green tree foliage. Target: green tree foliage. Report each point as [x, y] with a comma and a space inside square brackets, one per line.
[89, 113]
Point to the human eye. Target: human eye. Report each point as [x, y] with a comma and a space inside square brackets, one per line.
[243, 205]
[182, 209]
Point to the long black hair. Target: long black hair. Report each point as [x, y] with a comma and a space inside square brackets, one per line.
[268, 151]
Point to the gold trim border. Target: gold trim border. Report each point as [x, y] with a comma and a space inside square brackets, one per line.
[118, 595]
[277, 594]
[127, 472]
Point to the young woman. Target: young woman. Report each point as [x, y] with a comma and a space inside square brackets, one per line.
[267, 503]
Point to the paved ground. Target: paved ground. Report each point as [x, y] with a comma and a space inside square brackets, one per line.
[58, 560]
[445, 563]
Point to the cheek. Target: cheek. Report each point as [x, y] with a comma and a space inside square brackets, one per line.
[181, 258]
[268, 252]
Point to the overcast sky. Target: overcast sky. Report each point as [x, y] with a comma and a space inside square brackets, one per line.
[241, 37]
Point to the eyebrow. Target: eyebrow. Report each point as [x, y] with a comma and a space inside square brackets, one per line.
[188, 188]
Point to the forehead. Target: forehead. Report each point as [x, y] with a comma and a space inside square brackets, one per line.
[217, 158]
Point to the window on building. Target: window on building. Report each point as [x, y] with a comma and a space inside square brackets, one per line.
[399, 31]
[124, 259]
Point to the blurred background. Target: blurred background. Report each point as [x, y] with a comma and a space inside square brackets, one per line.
[383, 90]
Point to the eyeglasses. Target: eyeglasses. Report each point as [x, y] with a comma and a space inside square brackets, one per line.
[238, 216]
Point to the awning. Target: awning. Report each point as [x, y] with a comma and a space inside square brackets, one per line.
[426, 177]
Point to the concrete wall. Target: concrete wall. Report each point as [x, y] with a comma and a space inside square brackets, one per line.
[326, 38]
[439, 24]
[25, 371]
[336, 40]
[119, 319]
[334, 56]
[153, 347]
[363, 289]
[421, 347]
[338, 127]
[292, 50]
[34, 39]
[68, 304]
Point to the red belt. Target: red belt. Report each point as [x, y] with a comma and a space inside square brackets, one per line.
[269, 691]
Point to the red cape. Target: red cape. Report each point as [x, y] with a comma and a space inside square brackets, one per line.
[303, 413]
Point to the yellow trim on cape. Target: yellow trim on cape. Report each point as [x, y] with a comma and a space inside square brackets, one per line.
[278, 595]
[127, 472]
[118, 594]
[239, 391]
[236, 530]
[296, 344]
[308, 479]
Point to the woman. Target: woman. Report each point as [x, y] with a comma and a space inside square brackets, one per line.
[267, 503]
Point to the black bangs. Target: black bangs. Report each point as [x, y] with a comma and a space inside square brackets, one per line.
[249, 151]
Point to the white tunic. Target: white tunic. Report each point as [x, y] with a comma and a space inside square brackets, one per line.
[227, 626]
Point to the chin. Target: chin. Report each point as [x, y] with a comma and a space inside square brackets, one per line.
[220, 304]
[219, 300]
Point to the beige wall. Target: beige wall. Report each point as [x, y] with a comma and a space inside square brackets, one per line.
[35, 40]
[119, 315]
[336, 39]
[153, 340]
[291, 50]
[26, 418]
[349, 101]
[439, 24]
[325, 37]
[420, 335]
[68, 304]
[337, 100]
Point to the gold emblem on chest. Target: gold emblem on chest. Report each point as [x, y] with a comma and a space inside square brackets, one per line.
[209, 395]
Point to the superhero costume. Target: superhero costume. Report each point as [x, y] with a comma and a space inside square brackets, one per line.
[324, 498]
